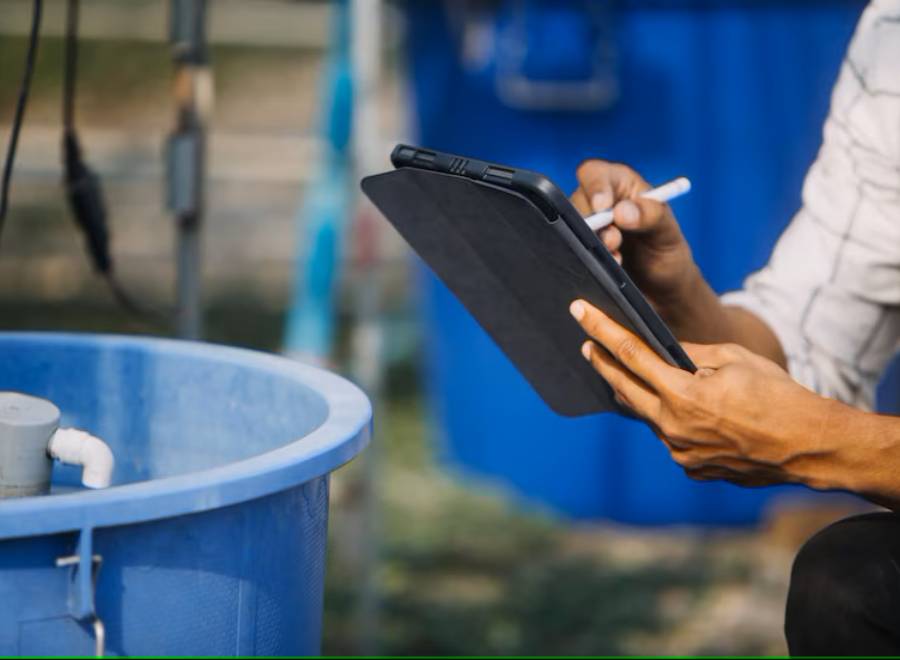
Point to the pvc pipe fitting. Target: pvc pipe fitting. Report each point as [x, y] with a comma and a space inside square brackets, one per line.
[76, 447]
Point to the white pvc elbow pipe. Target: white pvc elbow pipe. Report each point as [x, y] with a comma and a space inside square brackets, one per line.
[75, 447]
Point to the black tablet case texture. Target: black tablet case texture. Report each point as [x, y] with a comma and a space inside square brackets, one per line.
[513, 270]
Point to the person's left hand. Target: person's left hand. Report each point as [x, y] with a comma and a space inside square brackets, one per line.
[740, 417]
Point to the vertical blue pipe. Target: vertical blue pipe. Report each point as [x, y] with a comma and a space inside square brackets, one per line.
[324, 213]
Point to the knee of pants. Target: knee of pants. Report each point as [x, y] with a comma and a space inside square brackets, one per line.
[838, 577]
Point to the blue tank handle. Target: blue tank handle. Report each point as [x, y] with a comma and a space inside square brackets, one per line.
[556, 55]
[84, 567]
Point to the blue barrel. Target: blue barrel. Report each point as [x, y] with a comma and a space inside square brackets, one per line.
[211, 540]
[732, 95]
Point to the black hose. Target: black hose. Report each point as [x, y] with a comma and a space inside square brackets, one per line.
[24, 88]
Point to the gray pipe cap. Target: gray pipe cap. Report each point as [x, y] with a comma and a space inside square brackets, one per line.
[26, 425]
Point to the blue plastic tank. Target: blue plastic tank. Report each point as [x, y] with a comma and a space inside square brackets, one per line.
[733, 95]
[211, 540]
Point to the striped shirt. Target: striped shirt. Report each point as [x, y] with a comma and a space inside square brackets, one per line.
[831, 289]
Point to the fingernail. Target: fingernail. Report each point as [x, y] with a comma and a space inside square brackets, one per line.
[628, 214]
[601, 201]
[586, 350]
[576, 309]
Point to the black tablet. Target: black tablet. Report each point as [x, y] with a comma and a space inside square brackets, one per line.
[509, 244]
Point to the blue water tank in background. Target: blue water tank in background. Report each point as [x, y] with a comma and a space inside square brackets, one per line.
[211, 540]
[732, 95]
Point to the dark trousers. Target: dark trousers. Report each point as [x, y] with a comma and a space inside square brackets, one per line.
[845, 590]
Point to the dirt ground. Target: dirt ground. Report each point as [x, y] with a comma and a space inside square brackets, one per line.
[461, 570]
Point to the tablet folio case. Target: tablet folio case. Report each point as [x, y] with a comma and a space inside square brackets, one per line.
[514, 271]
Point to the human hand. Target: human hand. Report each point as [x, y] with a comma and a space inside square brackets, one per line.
[644, 237]
[740, 417]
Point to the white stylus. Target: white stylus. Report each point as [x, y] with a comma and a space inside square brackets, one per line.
[664, 193]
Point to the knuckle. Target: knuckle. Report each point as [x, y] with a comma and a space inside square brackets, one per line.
[627, 349]
[624, 170]
[694, 397]
[685, 460]
[682, 399]
[590, 167]
[732, 351]
[630, 177]
[674, 432]
[695, 407]
[579, 202]
[670, 427]
[698, 474]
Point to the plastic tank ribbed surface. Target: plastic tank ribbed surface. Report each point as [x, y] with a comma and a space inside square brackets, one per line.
[212, 537]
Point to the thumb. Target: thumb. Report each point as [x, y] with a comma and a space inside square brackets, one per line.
[714, 356]
[640, 215]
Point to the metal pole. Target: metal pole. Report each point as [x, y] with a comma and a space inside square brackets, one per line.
[189, 317]
[186, 153]
[368, 336]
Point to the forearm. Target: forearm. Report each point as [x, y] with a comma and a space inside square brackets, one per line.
[697, 315]
[865, 455]
[833, 446]
[825, 444]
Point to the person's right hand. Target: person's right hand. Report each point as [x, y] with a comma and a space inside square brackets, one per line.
[644, 237]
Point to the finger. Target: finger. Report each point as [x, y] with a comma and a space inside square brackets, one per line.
[714, 356]
[710, 474]
[581, 203]
[639, 214]
[625, 347]
[629, 389]
[612, 238]
[724, 474]
[603, 200]
[694, 463]
[618, 257]
[699, 464]
[604, 182]
[594, 181]
[670, 445]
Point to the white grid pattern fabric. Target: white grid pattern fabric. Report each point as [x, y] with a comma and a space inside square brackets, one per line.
[831, 290]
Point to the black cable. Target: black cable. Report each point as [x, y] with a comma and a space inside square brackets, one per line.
[24, 88]
[70, 75]
[82, 184]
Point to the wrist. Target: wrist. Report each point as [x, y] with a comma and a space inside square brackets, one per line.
[684, 304]
[869, 457]
[848, 451]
